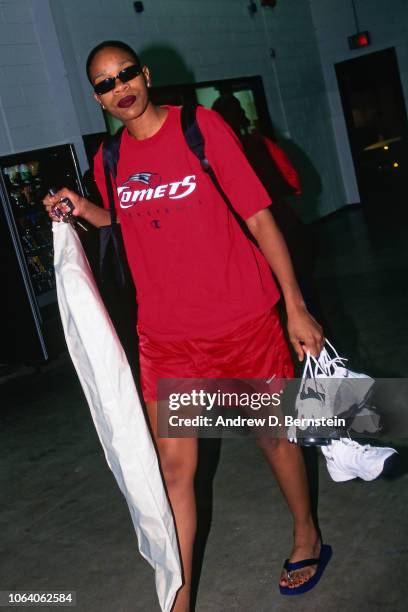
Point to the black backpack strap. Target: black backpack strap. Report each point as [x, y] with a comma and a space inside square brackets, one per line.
[193, 135]
[110, 154]
[196, 143]
[111, 234]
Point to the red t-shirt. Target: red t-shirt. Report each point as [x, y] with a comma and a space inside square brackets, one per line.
[196, 274]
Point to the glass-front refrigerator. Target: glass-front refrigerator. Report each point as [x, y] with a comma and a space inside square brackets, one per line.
[31, 329]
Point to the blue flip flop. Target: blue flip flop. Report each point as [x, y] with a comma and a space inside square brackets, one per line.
[321, 562]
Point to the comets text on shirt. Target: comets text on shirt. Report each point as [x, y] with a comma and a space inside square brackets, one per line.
[175, 190]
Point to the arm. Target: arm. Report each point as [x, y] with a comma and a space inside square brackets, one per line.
[304, 332]
[82, 207]
[251, 201]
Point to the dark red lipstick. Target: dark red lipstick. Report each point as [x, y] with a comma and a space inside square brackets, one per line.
[126, 101]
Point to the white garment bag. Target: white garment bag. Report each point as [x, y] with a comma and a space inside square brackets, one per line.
[119, 420]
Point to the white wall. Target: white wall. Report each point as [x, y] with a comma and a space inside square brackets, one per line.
[387, 22]
[36, 107]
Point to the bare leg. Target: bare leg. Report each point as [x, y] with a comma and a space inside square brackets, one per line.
[286, 461]
[178, 461]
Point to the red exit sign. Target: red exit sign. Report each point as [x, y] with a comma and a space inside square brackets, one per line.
[361, 39]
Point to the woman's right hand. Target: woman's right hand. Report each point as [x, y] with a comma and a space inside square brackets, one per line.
[78, 202]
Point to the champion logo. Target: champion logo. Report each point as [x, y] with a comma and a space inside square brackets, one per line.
[153, 188]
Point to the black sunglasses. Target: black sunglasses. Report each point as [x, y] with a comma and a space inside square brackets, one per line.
[125, 75]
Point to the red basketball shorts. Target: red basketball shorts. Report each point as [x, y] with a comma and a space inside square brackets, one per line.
[255, 349]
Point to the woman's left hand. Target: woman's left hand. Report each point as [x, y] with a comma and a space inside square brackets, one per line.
[305, 333]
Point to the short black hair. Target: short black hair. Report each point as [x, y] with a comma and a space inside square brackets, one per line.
[118, 44]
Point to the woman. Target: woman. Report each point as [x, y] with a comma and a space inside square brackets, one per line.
[206, 296]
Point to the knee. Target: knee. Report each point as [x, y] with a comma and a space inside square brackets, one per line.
[178, 471]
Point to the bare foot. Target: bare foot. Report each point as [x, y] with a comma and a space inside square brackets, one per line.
[307, 545]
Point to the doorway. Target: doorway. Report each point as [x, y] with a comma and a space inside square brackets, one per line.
[376, 119]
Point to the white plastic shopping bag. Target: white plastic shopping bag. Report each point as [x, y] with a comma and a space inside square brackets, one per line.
[109, 388]
[328, 389]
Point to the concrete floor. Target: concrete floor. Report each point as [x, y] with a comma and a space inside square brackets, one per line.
[65, 526]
